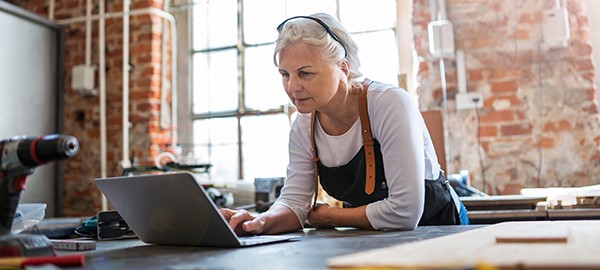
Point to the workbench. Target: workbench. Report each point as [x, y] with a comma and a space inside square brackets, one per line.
[565, 244]
[310, 251]
[495, 209]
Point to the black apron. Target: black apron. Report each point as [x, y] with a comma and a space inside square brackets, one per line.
[347, 184]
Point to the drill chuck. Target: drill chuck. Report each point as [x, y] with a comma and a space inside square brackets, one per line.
[30, 152]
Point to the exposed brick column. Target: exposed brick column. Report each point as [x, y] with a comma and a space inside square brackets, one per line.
[82, 116]
[538, 101]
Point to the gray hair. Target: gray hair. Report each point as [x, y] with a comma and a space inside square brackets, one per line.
[312, 33]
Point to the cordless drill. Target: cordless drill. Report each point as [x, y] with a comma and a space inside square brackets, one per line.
[18, 158]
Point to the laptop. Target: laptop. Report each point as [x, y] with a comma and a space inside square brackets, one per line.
[174, 209]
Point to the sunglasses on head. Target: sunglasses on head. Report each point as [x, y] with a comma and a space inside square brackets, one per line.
[319, 22]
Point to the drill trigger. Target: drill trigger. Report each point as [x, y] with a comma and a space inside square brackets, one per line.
[18, 184]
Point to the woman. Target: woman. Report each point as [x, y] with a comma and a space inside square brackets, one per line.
[365, 140]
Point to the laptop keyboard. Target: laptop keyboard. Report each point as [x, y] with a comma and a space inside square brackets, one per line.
[259, 239]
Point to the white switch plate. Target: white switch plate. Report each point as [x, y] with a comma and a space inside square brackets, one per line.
[555, 27]
[469, 100]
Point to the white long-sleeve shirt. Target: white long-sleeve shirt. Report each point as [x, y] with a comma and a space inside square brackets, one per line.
[408, 157]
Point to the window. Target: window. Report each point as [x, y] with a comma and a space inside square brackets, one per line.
[241, 114]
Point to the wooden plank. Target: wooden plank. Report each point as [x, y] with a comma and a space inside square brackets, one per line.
[581, 213]
[479, 247]
[506, 214]
[502, 201]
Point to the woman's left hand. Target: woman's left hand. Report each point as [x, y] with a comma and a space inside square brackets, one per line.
[320, 216]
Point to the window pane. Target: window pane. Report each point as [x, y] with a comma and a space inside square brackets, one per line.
[308, 7]
[215, 81]
[215, 142]
[259, 28]
[264, 89]
[265, 150]
[378, 54]
[215, 24]
[357, 15]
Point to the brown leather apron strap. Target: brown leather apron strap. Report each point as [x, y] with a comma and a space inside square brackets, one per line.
[367, 142]
[315, 158]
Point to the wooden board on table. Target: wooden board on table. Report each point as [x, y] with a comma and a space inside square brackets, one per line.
[536, 247]
[501, 202]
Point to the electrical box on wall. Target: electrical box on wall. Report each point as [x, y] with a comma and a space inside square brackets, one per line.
[555, 27]
[441, 38]
[469, 100]
[83, 80]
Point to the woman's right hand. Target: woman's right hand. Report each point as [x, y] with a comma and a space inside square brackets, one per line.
[278, 219]
[242, 222]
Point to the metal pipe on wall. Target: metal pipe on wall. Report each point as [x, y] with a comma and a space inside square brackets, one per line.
[163, 73]
[125, 96]
[51, 10]
[102, 73]
[437, 8]
[88, 33]
[164, 87]
[102, 86]
[144, 11]
[174, 86]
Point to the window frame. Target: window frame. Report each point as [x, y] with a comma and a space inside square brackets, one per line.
[406, 69]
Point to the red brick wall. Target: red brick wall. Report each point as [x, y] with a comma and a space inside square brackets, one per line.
[540, 123]
[82, 114]
[537, 101]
